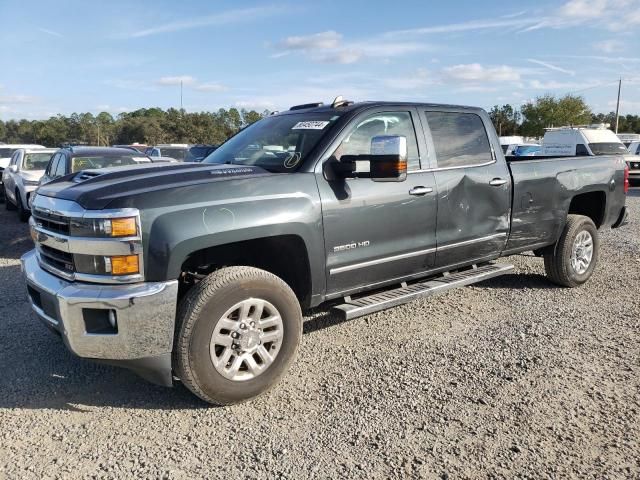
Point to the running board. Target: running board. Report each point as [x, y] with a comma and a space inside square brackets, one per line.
[357, 307]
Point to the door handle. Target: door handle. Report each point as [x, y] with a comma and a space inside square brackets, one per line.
[497, 182]
[420, 190]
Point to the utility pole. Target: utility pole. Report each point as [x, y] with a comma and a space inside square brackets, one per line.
[618, 104]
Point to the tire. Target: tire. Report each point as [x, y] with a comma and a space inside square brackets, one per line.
[7, 202]
[23, 213]
[208, 308]
[558, 262]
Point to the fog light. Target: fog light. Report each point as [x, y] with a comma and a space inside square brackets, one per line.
[123, 265]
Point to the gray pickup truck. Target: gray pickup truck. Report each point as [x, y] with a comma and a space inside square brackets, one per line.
[200, 272]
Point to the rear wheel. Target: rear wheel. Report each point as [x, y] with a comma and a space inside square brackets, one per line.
[23, 213]
[572, 261]
[237, 333]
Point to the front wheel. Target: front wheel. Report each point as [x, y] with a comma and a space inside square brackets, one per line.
[237, 332]
[574, 257]
[23, 213]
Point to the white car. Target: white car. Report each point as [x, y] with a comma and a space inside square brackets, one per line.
[510, 143]
[22, 177]
[177, 151]
[6, 151]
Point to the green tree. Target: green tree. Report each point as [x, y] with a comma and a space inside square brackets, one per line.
[506, 119]
[549, 111]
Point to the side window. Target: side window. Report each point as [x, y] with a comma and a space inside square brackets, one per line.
[581, 150]
[358, 141]
[460, 139]
[61, 166]
[14, 158]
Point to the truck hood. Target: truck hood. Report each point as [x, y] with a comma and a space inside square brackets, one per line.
[94, 189]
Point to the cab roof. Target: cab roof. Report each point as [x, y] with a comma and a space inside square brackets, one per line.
[351, 107]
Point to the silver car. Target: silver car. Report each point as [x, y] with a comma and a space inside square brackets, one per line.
[22, 176]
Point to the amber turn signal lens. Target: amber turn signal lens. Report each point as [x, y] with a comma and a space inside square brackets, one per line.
[123, 227]
[124, 265]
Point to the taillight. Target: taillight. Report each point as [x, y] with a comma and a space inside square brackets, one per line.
[626, 178]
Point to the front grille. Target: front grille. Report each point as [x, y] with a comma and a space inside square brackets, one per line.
[52, 222]
[57, 259]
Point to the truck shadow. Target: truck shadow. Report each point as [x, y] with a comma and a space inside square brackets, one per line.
[518, 281]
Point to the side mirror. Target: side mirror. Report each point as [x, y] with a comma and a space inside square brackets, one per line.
[387, 161]
[13, 168]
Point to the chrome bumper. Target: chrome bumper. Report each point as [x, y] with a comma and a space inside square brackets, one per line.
[144, 313]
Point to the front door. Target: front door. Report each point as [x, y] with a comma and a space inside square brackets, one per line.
[474, 188]
[376, 232]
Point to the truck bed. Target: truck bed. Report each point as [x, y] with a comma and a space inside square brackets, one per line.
[546, 189]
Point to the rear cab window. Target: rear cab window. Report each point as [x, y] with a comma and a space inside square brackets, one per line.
[460, 139]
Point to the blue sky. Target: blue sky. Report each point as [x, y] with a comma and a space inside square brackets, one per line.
[115, 56]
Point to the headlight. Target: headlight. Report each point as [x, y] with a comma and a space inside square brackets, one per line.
[31, 183]
[107, 265]
[103, 227]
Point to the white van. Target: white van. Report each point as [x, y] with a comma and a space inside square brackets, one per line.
[581, 141]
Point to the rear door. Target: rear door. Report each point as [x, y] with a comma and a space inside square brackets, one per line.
[376, 232]
[474, 186]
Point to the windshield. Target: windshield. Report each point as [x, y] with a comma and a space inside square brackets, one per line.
[277, 144]
[6, 152]
[177, 153]
[84, 163]
[608, 148]
[35, 161]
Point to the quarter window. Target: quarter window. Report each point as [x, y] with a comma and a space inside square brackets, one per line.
[358, 141]
[460, 139]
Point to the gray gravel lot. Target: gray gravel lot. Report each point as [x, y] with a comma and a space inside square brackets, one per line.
[512, 378]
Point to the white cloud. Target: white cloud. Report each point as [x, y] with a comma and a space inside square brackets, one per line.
[322, 40]
[488, 24]
[50, 32]
[584, 8]
[551, 66]
[474, 72]
[567, 86]
[608, 46]
[328, 47]
[413, 81]
[176, 80]
[218, 19]
[110, 109]
[17, 99]
[211, 87]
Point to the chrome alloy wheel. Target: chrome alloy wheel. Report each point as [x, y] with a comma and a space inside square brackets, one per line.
[582, 252]
[246, 340]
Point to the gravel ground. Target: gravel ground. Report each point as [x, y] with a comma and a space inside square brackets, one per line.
[509, 378]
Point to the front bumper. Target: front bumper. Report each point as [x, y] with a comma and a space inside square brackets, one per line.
[144, 313]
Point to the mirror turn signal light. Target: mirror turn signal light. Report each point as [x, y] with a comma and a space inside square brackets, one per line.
[122, 264]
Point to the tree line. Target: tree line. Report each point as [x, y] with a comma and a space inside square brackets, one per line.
[550, 111]
[154, 125]
[147, 125]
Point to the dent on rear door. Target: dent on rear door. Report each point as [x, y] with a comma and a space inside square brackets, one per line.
[473, 216]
